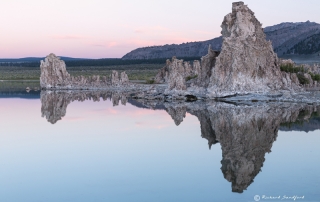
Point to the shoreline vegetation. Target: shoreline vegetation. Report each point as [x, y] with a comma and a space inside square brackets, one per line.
[138, 71]
[20, 75]
[300, 70]
[134, 71]
[16, 77]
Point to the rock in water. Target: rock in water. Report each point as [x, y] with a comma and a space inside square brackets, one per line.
[124, 78]
[203, 71]
[54, 75]
[247, 63]
[162, 75]
[177, 73]
[53, 72]
[115, 78]
[176, 79]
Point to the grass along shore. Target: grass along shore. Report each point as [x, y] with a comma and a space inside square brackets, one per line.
[14, 78]
[134, 72]
[18, 85]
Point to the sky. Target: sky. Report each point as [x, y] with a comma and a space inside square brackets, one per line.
[110, 29]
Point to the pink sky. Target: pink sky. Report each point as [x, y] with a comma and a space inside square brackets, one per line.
[106, 29]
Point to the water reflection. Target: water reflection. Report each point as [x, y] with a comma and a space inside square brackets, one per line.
[54, 103]
[245, 132]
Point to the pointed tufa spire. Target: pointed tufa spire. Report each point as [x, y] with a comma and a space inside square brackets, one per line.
[247, 62]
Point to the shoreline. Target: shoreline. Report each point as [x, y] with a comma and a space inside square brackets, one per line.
[138, 90]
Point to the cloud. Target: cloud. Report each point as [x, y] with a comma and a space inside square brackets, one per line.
[109, 44]
[67, 37]
[138, 31]
[140, 123]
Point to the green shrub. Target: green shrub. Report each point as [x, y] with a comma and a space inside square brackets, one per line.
[191, 77]
[315, 77]
[290, 68]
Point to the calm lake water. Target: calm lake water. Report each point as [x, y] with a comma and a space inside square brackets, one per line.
[66, 147]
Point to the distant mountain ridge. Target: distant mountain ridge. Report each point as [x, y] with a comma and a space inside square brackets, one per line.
[309, 45]
[189, 49]
[36, 59]
[284, 37]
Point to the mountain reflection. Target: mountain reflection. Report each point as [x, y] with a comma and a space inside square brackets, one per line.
[245, 132]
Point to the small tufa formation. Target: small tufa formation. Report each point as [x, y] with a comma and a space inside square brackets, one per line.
[162, 75]
[53, 72]
[185, 70]
[203, 70]
[124, 79]
[115, 78]
[180, 75]
[54, 75]
[176, 79]
[118, 81]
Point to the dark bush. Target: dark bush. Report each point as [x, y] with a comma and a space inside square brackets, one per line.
[302, 79]
[150, 81]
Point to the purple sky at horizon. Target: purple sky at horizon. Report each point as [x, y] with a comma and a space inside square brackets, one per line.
[110, 29]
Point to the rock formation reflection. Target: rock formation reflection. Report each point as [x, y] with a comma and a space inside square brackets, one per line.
[54, 103]
[245, 132]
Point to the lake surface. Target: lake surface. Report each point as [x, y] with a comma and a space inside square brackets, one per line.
[69, 147]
